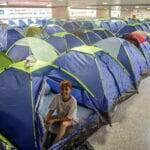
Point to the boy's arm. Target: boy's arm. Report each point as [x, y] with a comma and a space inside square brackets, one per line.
[48, 116]
[52, 108]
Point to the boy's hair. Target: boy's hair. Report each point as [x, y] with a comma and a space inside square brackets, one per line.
[65, 83]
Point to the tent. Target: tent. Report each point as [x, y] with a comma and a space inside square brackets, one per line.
[51, 29]
[30, 21]
[25, 47]
[71, 26]
[41, 22]
[103, 71]
[64, 41]
[12, 23]
[10, 37]
[19, 88]
[127, 54]
[140, 39]
[25, 87]
[22, 23]
[88, 25]
[112, 25]
[128, 29]
[55, 21]
[103, 33]
[22, 79]
[89, 37]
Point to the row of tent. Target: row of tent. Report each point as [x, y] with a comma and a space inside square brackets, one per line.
[9, 36]
[31, 70]
[112, 25]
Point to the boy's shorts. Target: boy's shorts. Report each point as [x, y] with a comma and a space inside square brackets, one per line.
[56, 126]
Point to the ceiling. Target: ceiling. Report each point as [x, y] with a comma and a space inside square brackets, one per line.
[72, 3]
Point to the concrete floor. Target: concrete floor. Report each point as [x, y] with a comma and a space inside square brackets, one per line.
[131, 124]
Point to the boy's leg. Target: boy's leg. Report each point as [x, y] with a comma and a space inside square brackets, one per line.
[47, 133]
[63, 127]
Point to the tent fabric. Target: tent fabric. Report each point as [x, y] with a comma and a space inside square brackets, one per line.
[128, 29]
[9, 37]
[12, 36]
[30, 21]
[89, 37]
[82, 62]
[22, 23]
[5, 144]
[103, 33]
[71, 26]
[5, 62]
[51, 29]
[64, 41]
[11, 108]
[88, 25]
[55, 21]
[139, 39]
[127, 54]
[112, 25]
[25, 47]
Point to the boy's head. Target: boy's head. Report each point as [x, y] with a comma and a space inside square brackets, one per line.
[66, 88]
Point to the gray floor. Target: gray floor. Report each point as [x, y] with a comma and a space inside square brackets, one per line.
[131, 124]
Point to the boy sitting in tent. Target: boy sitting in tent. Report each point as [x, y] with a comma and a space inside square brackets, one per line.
[62, 112]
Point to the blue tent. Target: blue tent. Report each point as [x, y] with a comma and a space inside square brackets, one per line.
[145, 49]
[71, 26]
[103, 33]
[22, 79]
[89, 37]
[30, 21]
[129, 28]
[88, 25]
[51, 29]
[10, 37]
[19, 120]
[127, 54]
[12, 23]
[64, 41]
[41, 22]
[22, 23]
[113, 25]
[55, 21]
[103, 71]
[31, 46]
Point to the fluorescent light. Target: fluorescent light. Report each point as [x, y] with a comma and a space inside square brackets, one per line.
[3, 4]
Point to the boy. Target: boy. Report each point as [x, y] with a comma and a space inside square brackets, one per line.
[65, 106]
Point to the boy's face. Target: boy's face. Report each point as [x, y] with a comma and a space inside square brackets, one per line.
[66, 91]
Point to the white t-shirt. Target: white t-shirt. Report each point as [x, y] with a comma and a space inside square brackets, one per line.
[64, 109]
